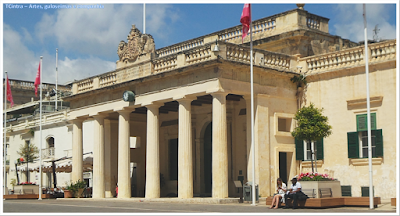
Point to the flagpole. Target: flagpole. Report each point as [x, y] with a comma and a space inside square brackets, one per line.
[56, 76]
[144, 18]
[252, 112]
[40, 141]
[371, 195]
[5, 132]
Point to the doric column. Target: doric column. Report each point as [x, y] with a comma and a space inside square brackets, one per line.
[219, 147]
[185, 156]
[152, 153]
[77, 150]
[107, 159]
[98, 157]
[124, 180]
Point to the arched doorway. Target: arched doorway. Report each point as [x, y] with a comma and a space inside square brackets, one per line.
[208, 160]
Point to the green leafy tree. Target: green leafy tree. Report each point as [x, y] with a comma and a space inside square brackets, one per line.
[311, 125]
[29, 152]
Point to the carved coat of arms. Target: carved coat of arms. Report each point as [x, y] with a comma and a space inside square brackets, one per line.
[138, 44]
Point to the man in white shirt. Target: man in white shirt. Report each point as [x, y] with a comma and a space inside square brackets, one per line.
[294, 193]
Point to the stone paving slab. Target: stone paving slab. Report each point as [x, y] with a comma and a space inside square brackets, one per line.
[384, 206]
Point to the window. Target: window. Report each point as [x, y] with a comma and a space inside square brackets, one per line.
[284, 124]
[50, 142]
[358, 141]
[364, 144]
[304, 148]
[308, 149]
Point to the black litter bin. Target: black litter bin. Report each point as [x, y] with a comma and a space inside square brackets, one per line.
[248, 192]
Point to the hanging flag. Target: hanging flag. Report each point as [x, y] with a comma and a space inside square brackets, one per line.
[245, 19]
[9, 94]
[37, 80]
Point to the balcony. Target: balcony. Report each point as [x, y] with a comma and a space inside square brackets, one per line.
[48, 153]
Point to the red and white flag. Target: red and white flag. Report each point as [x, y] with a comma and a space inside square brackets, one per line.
[245, 19]
[37, 80]
[9, 94]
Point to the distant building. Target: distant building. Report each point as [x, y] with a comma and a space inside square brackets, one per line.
[23, 127]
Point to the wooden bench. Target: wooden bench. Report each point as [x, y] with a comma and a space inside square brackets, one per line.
[329, 202]
[309, 192]
[325, 192]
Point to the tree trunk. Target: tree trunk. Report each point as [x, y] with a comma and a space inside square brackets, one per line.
[312, 155]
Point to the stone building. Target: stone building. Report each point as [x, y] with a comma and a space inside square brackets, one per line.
[176, 120]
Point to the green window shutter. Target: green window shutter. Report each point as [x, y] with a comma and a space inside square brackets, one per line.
[365, 191]
[378, 143]
[352, 145]
[346, 190]
[373, 121]
[299, 149]
[320, 149]
[362, 122]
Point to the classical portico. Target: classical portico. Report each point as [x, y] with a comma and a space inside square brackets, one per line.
[177, 123]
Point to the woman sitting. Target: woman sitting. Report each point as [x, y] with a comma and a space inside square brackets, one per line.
[278, 198]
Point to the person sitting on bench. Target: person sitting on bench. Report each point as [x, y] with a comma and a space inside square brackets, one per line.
[294, 193]
[281, 190]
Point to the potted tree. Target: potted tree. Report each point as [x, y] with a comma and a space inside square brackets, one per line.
[70, 190]
[80, 186]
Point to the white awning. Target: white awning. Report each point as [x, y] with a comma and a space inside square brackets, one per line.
[63, 165]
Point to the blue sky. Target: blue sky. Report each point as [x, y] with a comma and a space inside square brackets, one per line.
[87, 39]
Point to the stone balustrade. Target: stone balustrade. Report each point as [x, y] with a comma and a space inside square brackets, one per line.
[276, 60]
[85, 85]
[313, 22]
[260, 57]
[186, 45]
[20, 84]
[350, 57]
[382, 51]
[34, 121]
[228, 51]
[164, 64]
[198, 55]
[259, 26]
[238, 53]
[108, 79]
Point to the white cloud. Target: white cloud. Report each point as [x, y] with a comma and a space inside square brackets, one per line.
[70, 69]
[350, 21]
[17, 59]
[22, 63]
[99, 31]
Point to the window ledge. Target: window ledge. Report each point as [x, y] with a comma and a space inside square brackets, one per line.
[364, 161]
[306, 164]
[282, 133]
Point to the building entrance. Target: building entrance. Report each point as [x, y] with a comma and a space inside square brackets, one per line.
[283, 167]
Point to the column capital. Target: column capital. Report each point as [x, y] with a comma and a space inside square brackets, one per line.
[154, 105]
[185, 98]
[77, 120]
[98, 116]
[219, 94]
[123, 111]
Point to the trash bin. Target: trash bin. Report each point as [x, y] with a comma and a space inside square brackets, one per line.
[248, 192]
